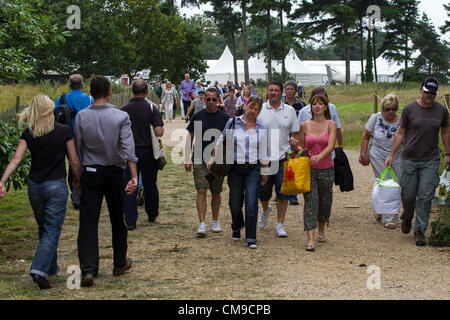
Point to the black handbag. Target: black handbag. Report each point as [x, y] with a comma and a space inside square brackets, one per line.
[223, 167]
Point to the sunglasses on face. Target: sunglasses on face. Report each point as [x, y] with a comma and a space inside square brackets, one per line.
[211, 99]
[390, 109]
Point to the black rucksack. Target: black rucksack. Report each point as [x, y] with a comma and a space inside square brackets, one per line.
[63, 113]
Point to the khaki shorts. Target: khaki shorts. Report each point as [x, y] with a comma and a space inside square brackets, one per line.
[200, 171]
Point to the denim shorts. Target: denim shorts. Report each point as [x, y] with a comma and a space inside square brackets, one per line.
[266, 190]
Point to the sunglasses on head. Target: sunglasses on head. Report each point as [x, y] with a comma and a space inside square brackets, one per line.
[211, 99]
[390, 109]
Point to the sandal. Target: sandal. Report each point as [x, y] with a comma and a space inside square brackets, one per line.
[390, 225]
[321, 238]
[310, 247]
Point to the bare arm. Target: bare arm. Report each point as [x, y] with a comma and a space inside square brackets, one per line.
[74, 162]
[187, 151]
[339, 137]
[132, 184]
[396, 143]
[13, 164]
[364, 146]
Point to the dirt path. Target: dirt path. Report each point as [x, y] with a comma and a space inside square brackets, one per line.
[171, 263]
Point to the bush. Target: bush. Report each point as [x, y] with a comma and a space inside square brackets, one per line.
[9, 138]
[440, 229]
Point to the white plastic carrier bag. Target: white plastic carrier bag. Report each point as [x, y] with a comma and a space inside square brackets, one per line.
[386, 195]
[443, 187]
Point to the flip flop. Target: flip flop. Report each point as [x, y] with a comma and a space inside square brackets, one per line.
[310, 247]
[321, 238]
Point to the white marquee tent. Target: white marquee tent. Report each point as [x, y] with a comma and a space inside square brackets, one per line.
[308, 72]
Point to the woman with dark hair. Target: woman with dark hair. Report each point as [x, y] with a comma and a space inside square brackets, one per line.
[48, 142]
[318, 136]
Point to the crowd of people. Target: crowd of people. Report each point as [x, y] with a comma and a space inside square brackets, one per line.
[110, 153]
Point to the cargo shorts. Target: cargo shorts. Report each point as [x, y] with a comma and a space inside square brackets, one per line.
[200, 182]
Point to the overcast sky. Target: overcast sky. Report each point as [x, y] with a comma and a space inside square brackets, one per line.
[433, 8]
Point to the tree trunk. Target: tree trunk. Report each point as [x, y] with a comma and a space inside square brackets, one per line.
[347, 57]
[362, 50]
[233, 39]
[283, 62]
[245, 42]
[268, 47]
[374, 45]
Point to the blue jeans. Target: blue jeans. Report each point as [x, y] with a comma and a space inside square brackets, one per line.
[244, 183]
[147, 167]
[419, 182]
[48, 200]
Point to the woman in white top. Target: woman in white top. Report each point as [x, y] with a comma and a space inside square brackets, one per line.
[382, 127]
[168, 99]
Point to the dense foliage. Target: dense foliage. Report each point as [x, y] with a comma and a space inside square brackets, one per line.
[9, 138]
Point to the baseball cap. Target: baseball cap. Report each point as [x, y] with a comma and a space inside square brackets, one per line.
[430, 84]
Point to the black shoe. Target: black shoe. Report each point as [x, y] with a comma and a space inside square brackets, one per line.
[406, 226]
[252, 245]
[87, 280]
[131, 228]
[420, 239]
[151, 220]
[293, 202]
[121, 271]
[236, 236]
[41, 281]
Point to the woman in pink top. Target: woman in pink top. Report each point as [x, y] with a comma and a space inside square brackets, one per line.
[318, 135]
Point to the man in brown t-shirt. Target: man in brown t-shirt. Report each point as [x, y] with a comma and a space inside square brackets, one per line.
[419, 132]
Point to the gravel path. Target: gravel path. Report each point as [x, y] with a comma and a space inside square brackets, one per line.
[339, 268]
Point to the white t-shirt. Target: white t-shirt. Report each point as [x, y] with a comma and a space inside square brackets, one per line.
[284, 120]
[305, 115]
[382, 137]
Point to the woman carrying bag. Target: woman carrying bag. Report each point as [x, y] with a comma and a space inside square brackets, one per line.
[48, 142]
[381, 128]
[245, 175]
[318, 135]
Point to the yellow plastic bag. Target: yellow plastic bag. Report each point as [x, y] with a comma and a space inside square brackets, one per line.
[297, 175]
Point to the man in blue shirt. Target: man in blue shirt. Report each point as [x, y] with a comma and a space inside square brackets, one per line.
[77, 100]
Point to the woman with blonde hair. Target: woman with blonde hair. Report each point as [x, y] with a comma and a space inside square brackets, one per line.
[318, 136]
[382, 127]
[168, 99]
[48, 141]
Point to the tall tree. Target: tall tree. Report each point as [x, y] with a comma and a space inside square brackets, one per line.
[369, 61]
[226, 20]
[335, 19]
[401, 21]
[445, 28]
[432, 59]
[284, 38]
[23, 30]
[261, 15]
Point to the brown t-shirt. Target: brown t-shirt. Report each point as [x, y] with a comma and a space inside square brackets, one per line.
[422, 130]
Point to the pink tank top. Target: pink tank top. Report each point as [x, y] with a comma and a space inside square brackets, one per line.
[315, 146]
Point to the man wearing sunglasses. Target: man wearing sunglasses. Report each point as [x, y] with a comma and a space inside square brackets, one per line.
[206, 126]
[419, 128]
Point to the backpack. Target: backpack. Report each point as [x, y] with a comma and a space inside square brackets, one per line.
[63, 113]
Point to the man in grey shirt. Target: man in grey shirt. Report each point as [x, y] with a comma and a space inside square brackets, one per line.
[105, 145]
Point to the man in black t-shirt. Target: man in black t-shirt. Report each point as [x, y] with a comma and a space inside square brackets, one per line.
[142, 113]
[418, 131]
[206, 123]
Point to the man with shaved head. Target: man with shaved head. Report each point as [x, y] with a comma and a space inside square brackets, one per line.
[143, 113]
[77, 100]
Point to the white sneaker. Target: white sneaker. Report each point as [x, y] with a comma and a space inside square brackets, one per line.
[264, 218]
[280, 231]
[215, 226]
[201, 231]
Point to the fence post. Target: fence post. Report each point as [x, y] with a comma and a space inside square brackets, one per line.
[17, 104]
[446, 98]
[375, 102]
